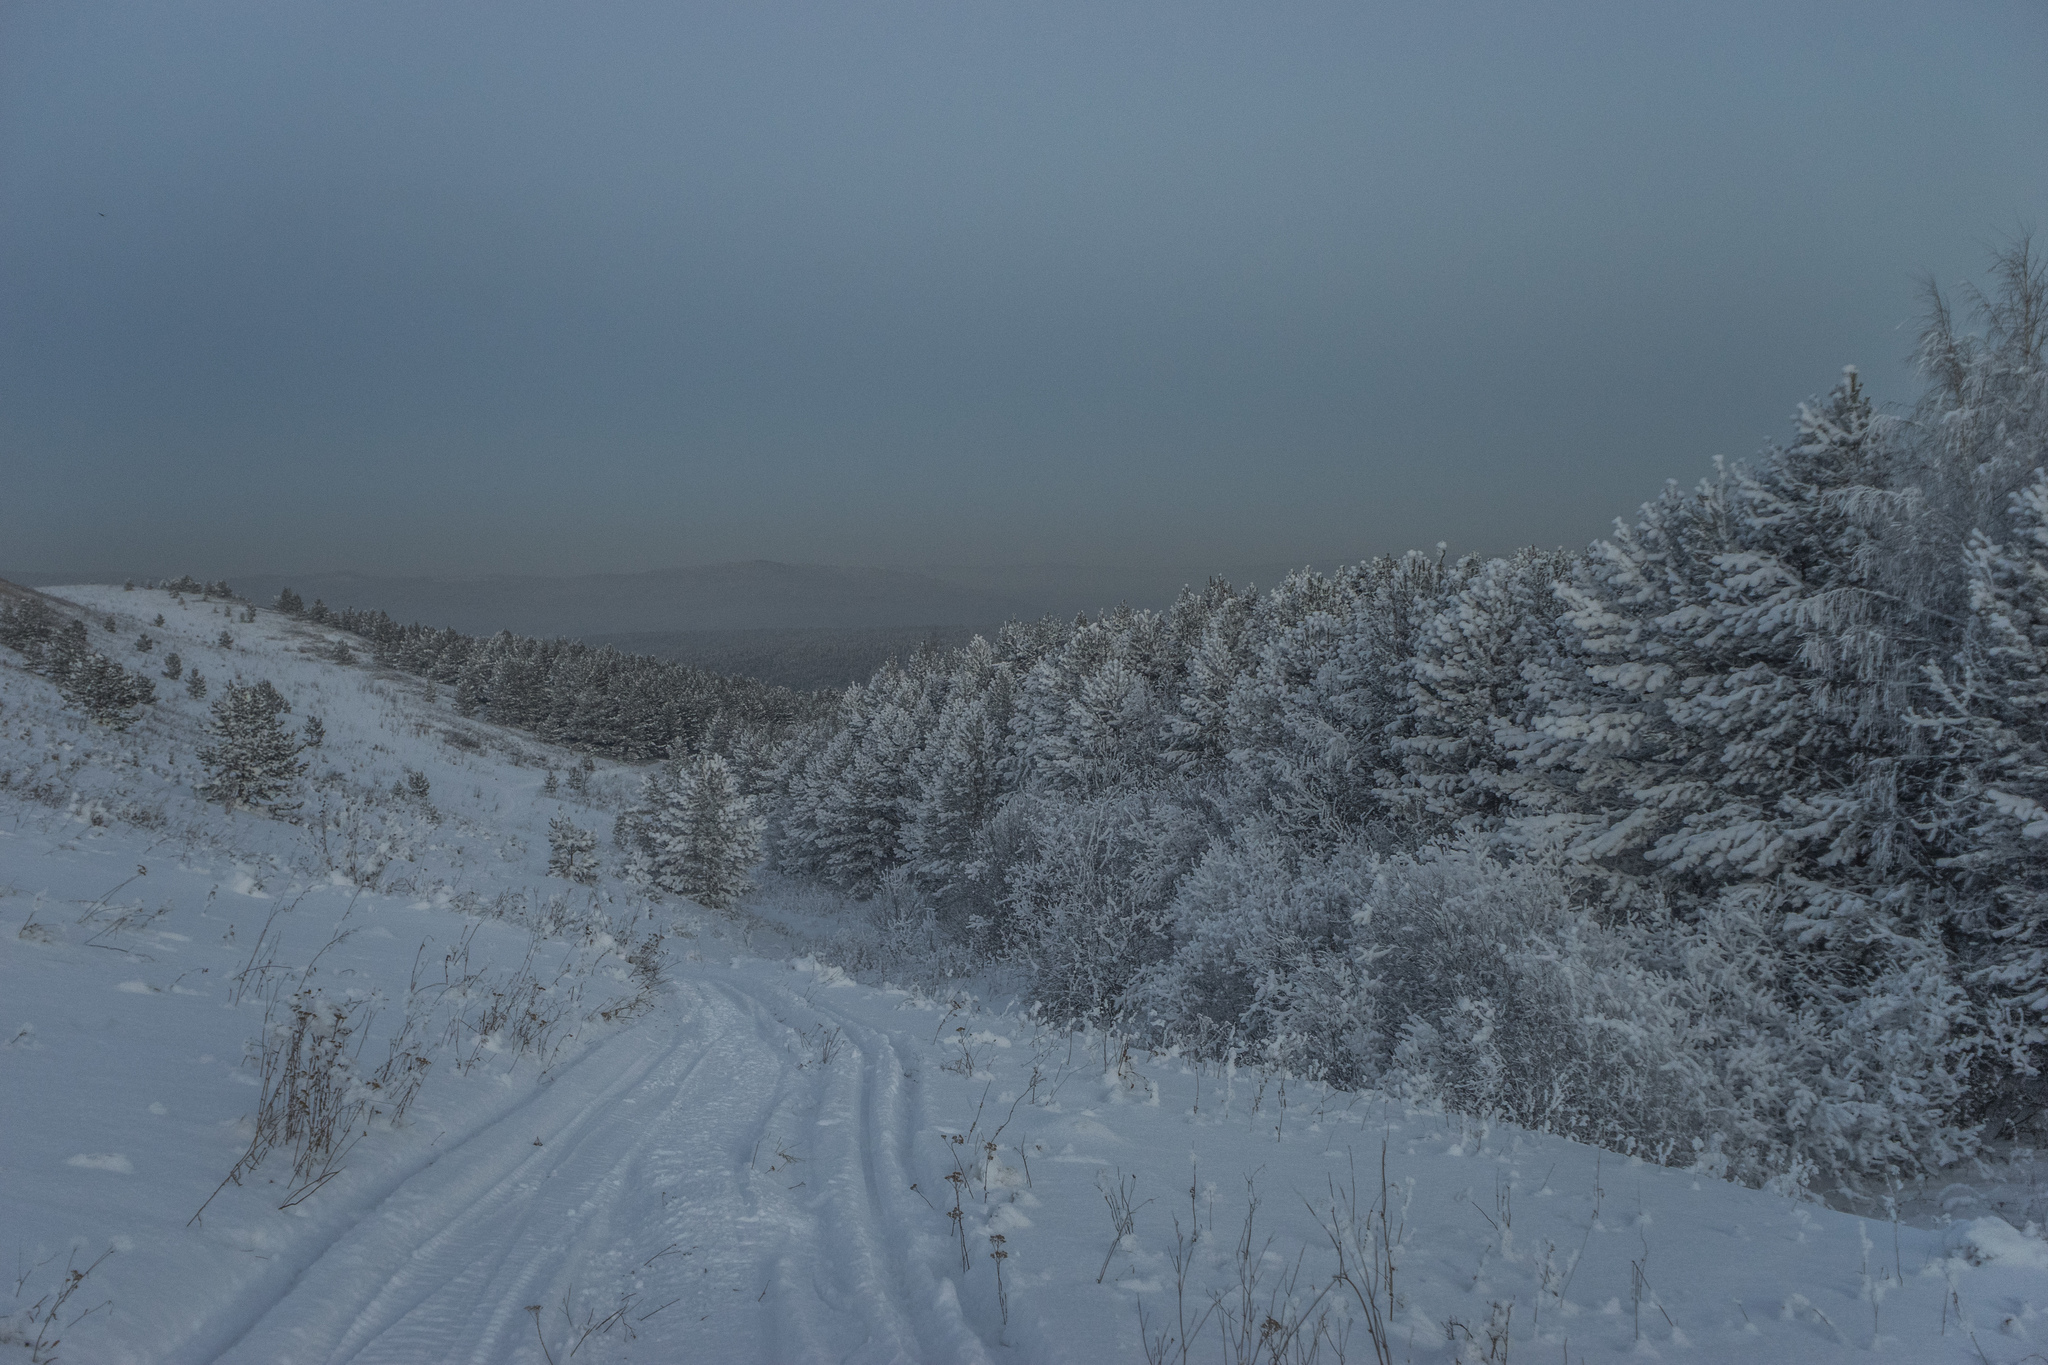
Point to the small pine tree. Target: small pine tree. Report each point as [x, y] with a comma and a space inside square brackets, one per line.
[226, 641]
[195, 686]
[159, 622]
[144, 643]
[550, 784]
[572, 852]
[174, 667]
[314, 732]
[339, 653]
[695, 833]
[252, 762]
[290, 603]
[106, 691]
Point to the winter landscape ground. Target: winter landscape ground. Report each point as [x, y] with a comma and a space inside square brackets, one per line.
[473, 1111]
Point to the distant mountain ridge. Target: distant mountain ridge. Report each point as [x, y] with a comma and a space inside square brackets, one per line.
[755, 594]
[807, 659]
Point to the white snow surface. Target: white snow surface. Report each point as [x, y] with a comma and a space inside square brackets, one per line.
[755, 1165]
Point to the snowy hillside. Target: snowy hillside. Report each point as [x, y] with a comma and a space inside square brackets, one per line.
[480, 1113]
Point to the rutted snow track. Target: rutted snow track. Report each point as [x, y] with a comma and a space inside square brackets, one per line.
[748, 1217]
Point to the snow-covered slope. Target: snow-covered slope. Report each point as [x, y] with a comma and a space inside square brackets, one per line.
[756, 1158]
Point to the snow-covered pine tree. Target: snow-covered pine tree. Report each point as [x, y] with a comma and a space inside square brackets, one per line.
[961, 775]
[105, 691]
[1994, 719]
[850, 798]
[1217, 655]
[1737, 736]
[572, 851]
[1476, 684]
[1986, 415]
[695, 833]
[290, 603]
[1796, 722]
[252, 761]
[1313, 725]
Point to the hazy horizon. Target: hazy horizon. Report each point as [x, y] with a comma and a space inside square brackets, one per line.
[520, 289]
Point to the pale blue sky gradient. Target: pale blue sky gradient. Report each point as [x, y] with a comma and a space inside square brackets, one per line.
[556, 288]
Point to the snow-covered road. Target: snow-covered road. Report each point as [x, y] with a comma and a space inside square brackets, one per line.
[730, 1194]
[769, 1162]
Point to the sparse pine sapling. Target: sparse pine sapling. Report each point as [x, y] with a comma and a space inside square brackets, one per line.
[253, 761]
[226, 641]
[572, 852]
[144, 643]
[174, 667]
[195, 686]
[159, 622]
[313, 732]
[550, 784]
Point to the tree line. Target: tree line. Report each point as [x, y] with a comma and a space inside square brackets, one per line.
[1724, 840]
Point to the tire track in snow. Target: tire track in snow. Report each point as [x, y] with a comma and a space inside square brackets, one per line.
[647, 1141]
[880, 1218]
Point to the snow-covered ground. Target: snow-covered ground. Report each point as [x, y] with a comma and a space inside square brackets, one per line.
[758, 1159]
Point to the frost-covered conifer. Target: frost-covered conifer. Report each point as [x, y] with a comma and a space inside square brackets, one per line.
[694, 832]
[572, 851]
[106, 691]
[1314, 724]
[961, 775]
[1476, 683]
[252, 761]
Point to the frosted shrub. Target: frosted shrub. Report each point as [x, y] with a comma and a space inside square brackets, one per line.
[1820, 1077]
[1446, 975]
[1497, 992]
[1263, 956]
[1451, 976]
[1088, 899]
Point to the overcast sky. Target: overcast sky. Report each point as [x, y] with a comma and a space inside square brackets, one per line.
[553, 288]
